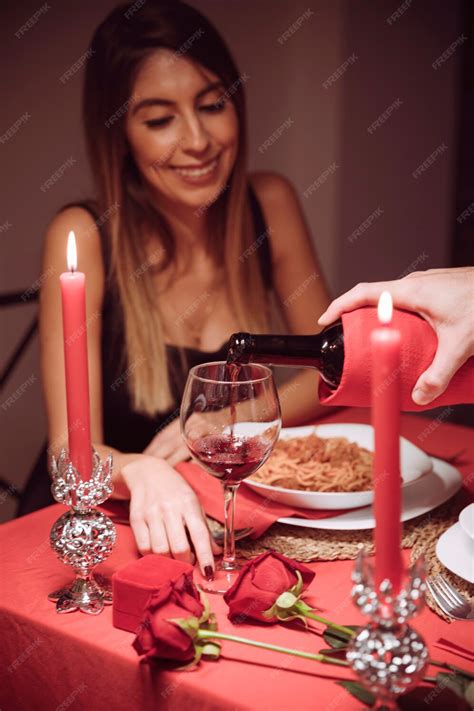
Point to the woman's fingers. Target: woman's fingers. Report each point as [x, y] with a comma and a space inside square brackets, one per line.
[181, 454]
[158, 536]
[202, 541]
[176, 533]
[137, 521]
[162, 450]
[170, 432]
[173, 451]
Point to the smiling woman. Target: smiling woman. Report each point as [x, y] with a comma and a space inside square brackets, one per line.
[190, 249]
[201, 121]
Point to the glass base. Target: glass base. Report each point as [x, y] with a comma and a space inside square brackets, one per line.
[223, 580]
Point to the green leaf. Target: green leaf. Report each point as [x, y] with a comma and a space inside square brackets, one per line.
[456, 682]
[359, 691]
[337, 639]
[332, 652]
[462, 672]
[469, 694]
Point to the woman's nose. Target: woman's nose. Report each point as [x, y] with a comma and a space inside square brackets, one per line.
[195, 138]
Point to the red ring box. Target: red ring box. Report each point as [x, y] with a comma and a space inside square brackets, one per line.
[133, 585]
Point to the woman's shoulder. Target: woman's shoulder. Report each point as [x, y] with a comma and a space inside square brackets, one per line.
[271, 187]
[282, 211]
[80, 220]
[80, 217]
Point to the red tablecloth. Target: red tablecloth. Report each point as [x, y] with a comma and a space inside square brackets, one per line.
[49, 661]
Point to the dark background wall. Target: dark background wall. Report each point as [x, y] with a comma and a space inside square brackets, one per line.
[389, 64]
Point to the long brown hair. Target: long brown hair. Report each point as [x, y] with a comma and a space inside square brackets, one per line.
[120, 44]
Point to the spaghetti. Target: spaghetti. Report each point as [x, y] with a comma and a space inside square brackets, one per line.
[318, 464]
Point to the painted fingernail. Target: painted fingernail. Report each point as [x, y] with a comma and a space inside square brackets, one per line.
[209, 573]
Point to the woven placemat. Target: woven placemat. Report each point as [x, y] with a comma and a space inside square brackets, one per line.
[420, 534]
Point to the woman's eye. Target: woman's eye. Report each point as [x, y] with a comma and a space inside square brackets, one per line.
[158, 123]
[213, 108]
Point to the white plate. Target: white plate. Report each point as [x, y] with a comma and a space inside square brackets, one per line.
[466, 519]
[413, 464]
[422, 496]
[455, 550]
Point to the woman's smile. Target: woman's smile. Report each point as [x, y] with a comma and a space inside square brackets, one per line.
[202, 173]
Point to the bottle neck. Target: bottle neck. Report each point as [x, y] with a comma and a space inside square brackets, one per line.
[324, 351]
[302, 351]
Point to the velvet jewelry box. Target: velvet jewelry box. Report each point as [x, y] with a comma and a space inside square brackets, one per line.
[133, 585]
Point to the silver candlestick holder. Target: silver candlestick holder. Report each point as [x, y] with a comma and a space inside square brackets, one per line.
[388, 655]
[82, 537]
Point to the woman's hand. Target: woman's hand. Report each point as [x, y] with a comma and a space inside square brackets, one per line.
[162, 507]
[169, 444]
[445, 298]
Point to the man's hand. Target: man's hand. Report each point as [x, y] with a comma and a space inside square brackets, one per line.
[445, 298]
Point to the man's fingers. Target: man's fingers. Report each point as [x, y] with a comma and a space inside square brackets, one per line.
[403, 294]
[360, 295]
[434, 381]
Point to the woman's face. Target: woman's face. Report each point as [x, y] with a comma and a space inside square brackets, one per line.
[182, 133]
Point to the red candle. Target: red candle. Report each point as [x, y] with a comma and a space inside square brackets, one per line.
[385, 346]
[73, 296]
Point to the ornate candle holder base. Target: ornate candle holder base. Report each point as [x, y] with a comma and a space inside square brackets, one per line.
[388, 655]
[84, 536]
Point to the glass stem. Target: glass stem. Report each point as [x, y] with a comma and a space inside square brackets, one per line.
[228, 560]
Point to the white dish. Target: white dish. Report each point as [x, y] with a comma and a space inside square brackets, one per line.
[413, 464]
[456, 551]
[422, 496]
[466, 519]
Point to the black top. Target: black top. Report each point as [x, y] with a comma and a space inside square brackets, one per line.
[125, 429]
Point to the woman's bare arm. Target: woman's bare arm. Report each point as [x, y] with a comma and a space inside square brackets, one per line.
[299, 284]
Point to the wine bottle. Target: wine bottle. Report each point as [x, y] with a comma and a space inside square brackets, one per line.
[324, 351]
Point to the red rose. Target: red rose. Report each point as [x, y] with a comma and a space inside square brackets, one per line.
[161, 639]
[260, 583]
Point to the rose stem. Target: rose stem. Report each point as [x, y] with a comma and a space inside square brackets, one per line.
[205, 634]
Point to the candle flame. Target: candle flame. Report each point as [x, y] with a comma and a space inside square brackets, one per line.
[71, 252]
[385, 307]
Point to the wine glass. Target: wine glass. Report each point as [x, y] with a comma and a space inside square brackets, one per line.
[230, 420]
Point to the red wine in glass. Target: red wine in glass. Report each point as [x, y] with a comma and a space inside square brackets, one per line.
[231, 458]
[230, 420]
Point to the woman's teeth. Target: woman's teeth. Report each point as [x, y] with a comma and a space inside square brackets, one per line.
[197, 172]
